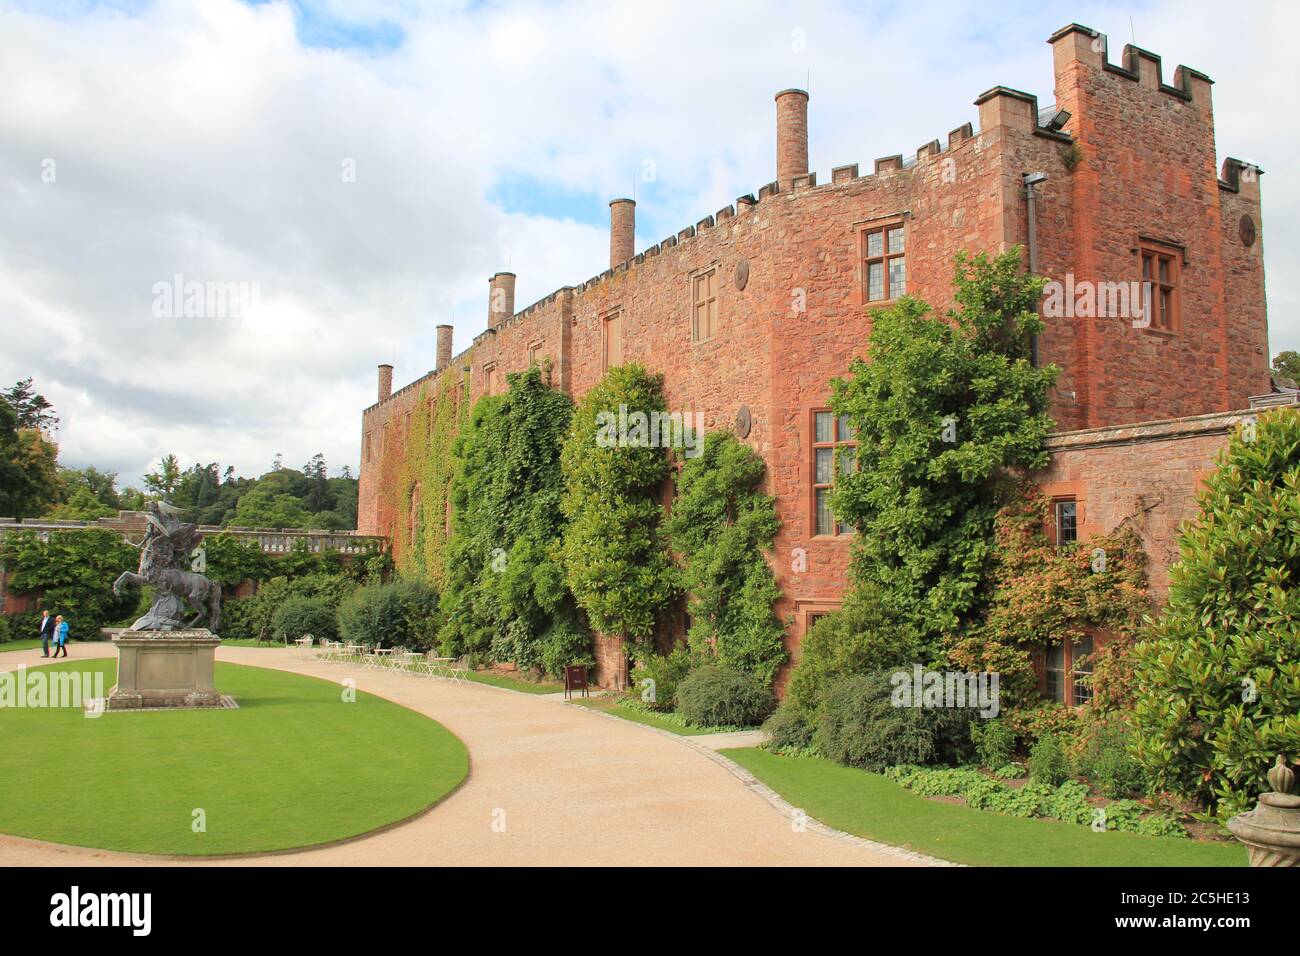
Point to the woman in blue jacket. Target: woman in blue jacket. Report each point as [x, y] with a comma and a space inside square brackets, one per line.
[60, 636]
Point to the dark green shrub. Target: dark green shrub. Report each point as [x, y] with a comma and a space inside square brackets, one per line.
[1218, 679]
[995, 742]
[300, 616]
[5, 634]
[859, 726]
[719, 696]
[788, 731]
[401, 613]
[1105, 760]
[564, 644]
[664, 672]
[237, 619]
[856, 639]
[1047, 762]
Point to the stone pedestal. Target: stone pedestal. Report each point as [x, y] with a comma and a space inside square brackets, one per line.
[1271, 831]
[165, 669]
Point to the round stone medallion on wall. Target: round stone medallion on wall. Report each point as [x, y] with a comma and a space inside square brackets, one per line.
[743, 421]
[1247, 227]
[742, 273]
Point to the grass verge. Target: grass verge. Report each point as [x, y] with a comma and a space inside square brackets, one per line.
[868, 805]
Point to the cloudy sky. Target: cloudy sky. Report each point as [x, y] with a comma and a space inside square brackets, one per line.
[364, 165]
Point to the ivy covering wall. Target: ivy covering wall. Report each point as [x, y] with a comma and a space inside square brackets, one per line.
[505, 595]
[721, 526]
[615, 558]
[416, 478]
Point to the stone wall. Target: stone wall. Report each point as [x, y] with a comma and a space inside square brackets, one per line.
[1144, 477]
[1135, 161]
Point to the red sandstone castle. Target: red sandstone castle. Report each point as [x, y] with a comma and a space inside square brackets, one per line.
[751, 312]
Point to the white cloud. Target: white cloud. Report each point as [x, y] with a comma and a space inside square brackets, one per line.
[204, 138]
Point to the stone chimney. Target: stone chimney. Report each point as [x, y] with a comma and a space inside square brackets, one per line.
[791, 137]
[622, 230]
[385, 382]
[444, 347]
[501, 298]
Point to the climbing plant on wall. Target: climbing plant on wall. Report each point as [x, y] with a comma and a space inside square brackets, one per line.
[504, 594]
[613, 552]
[416, 476]
[942, 407]
[721, 525]
[1040, 595]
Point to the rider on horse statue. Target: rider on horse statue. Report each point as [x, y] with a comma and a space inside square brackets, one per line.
[164, 554]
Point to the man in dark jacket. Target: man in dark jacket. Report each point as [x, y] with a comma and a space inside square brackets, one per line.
[47, 633]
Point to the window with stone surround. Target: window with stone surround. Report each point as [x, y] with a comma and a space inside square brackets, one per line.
[834, 451]
[1160, 274]
[884, 262]
[1065, 522]
[611, 340]
[704, 305]
[1067, 669]
[490, 378]
[535, 353]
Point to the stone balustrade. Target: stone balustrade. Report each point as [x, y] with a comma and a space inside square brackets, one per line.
[271, 540]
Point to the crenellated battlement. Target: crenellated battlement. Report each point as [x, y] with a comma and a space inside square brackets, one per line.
[1076, 42]
[1000, 107]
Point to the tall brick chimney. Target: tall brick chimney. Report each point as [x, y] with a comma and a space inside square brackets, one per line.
[385, 381]
[791, 136]
[444, 347]
[622, 230]
[501, 298]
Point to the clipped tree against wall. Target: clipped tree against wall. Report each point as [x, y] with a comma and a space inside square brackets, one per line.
[941, 409]
[722, 524]
[1219, 677]
[613, 551]
[505, 594]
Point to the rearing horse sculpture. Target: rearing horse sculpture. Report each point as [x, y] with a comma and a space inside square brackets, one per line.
[167, 542]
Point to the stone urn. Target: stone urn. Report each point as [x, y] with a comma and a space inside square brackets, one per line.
[1271, 831]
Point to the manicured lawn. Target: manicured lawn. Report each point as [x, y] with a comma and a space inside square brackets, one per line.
[868, 805]
[514, 683]
[641, 717]
[23, 645]
[294, 766]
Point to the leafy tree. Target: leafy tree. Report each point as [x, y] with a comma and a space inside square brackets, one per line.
[163, 480]
[940, 410]
[1219, 677]
[505, 592]
[721, 525]
[32, 409]
[197, 489]
[1287, 365]
[81, 506]
[612, 551]
[263, 507]
[102, 485]
[317, 474]
[29, 478]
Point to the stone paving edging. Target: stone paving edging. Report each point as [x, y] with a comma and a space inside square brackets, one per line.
[778, 802]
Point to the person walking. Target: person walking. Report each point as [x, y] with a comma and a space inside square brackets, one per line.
[61, 636]
[47, 632]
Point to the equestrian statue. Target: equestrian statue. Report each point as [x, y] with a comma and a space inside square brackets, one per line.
[164, 553]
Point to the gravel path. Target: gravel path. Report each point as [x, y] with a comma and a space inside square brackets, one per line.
[549, 784]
